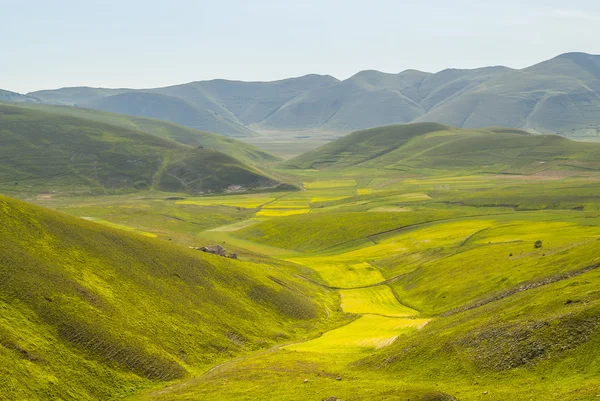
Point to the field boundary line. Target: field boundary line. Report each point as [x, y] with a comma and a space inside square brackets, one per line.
[525, 286]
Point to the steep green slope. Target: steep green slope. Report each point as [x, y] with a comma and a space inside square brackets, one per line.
[163, 129]
[541, 343]
[415, 147]
[173, 109]
[90, 312]
[49, 153]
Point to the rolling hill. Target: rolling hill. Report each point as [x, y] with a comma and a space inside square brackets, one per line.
[50, 153]
[163, 129]
[560, 95]
[90, 312]
[432, 146]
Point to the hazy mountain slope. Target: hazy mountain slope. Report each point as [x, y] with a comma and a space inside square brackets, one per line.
[371, 98]
[175, 110]
[561, 95]
[435, 146]
[89, 312]
[246, 102]
[179, 133]
[8, 96]
[352, 104]
[42, 152]
[74, 96]
[218, 106]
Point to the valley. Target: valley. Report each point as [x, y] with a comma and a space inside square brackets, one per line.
[299, 201]
[418, 266]
[421, 261]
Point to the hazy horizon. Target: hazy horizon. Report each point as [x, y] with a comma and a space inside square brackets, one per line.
[149, 44]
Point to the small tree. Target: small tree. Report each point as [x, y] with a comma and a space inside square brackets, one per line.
[538, 244]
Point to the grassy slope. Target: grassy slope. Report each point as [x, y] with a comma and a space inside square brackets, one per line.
[163, 129]
[540, 343]
[47, 152]
[318, 232]
[414, 147]
[90, 312]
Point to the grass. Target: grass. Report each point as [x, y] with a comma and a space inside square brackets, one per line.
[365, 334]
[164, 129]
[52, 154]
[319, 232]
[377, 300]
[239, 201]
[120, 226]
[427, 286]
[128, 311]
[428, 148]
[329, 184]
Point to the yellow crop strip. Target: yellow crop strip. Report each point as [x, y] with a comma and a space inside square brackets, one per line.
[329, 184]
[342, 275]
[246, 202]
[367, 333]
[376, 300]
[281, 212]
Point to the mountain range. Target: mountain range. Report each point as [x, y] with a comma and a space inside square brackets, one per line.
[560, 95]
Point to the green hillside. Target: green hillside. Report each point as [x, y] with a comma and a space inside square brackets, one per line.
[430, 147]
[90, 312]
[178, 133]
[53, 154]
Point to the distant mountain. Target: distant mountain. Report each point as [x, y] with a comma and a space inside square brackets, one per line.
[219, 106]
[561, 95]
[168, 108]
[8, 96]
[424, 147]
[49, 153]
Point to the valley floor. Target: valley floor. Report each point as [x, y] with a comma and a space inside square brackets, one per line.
[426, 270]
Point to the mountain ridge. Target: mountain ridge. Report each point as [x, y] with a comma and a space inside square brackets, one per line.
[560, 95]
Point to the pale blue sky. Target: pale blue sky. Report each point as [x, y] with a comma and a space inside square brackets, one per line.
[131, 43]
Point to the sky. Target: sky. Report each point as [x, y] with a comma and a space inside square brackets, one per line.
[141, 44]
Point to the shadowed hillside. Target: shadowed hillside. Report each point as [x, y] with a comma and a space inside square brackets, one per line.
[90, 312]
[178, 133]
[168, 108]
[48, 153]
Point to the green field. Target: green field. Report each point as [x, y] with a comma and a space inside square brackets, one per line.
[465, 281]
